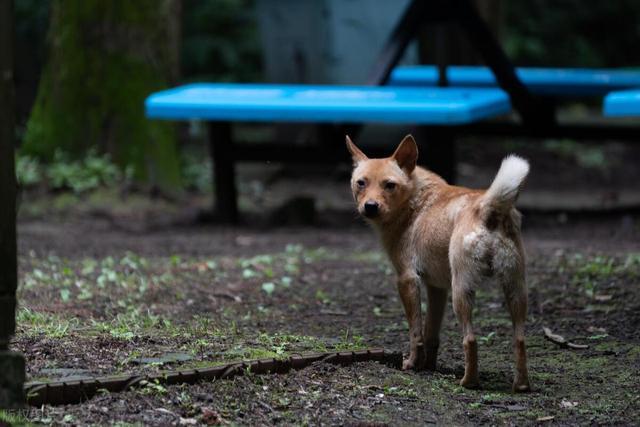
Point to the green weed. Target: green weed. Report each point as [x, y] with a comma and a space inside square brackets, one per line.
[31, 322]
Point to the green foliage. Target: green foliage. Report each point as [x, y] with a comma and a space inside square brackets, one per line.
[591, 272]
[63, 173]
[268, 287]
[31, 322]
[152, 388]
[196, 172]
[28, 170]
[86, 174]
[587, 156]
[570, 33]
[220, 41]
[96, 170]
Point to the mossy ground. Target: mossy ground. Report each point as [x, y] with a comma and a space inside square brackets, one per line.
[100, 294]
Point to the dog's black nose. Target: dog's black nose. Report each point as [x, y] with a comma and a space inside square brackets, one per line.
[370, 209]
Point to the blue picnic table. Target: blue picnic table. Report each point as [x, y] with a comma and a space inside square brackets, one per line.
[326, 104]
[559, 82]
[221, 104]
[624, 103]
[403, 95]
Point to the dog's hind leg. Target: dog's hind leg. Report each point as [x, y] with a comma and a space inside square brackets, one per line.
[463, 298]
[436, 305]
[516, 297]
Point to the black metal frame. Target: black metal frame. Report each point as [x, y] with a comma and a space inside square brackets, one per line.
[437, 143]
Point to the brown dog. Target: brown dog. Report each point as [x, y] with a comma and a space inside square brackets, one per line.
[446, 237]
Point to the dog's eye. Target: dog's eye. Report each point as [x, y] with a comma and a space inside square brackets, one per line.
[390, 186]
[360, 183]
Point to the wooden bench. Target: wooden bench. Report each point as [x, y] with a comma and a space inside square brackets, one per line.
[222, 104]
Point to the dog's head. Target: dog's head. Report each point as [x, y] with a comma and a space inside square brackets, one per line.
[381, 187]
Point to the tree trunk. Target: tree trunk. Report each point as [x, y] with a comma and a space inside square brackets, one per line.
[105, 57]
[8, 272]
[11, 364]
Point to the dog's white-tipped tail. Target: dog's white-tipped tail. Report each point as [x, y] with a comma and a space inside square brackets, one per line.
[506, 185]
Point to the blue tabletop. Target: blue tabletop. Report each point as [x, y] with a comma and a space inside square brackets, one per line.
[622, 103]
[346, 104]
[543, 81]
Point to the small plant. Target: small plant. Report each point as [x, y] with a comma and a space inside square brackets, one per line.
[28, 171]
[487, 339]
[80, 176]
[196, 173]
[323, 297]
[63, 173]
[35, 323]
[152, 388]
[588, 157]
[268, 288]
[590, 271]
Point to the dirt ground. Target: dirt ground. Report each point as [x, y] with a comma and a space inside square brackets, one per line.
[111, 286]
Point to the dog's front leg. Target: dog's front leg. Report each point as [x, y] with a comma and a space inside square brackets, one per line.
[409, 290]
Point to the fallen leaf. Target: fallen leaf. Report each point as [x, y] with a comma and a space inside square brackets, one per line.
[547, 418]
[210, 417]
[567, 404]
[166, 411]
[602, 298]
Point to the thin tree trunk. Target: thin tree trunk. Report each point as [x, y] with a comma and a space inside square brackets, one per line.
[8, 263]
[12, 371]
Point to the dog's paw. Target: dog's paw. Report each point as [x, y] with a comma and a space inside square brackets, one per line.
[415, 363]
[408, 364]
[521, 387]
[470, 382]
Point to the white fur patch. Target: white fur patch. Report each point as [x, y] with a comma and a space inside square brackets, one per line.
[503, 254]
[456, 206]
[469, 241]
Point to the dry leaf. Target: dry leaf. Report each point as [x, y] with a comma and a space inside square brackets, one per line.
[568, 404]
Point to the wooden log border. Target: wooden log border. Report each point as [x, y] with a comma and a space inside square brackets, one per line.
[78, 390]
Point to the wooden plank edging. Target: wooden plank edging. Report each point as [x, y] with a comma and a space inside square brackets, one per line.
[77, 390]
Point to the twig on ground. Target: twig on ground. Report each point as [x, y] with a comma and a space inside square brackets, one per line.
[561, 341]
[229, 296]
[334, 312]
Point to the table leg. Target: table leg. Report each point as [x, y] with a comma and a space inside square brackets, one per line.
[224, 179]
[437, 151]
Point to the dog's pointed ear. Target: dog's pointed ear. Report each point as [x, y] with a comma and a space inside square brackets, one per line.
[356, 154]
[406, 155]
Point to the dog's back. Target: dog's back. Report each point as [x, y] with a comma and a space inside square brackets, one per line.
[453, 221]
